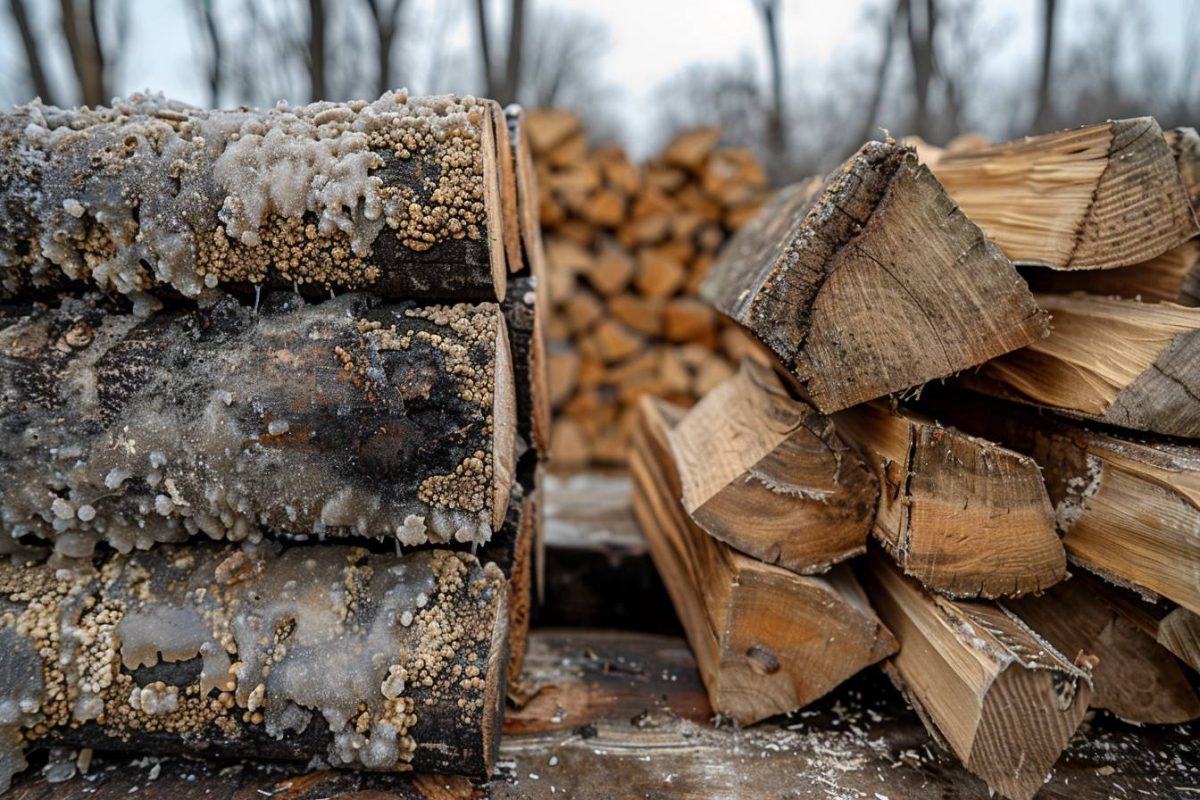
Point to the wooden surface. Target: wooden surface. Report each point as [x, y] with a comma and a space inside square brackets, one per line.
[623, 715]
[832, 283]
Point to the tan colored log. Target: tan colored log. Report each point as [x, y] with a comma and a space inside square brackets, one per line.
[548, 127]
[563, 369]
[711, 371]
[605, 208]
[663, 178]
[1003, 700]
[582, 311]
[686, 319]
[659, 274]
[614, 341]
[834, 286]
[734, 177]
[1096, 197]
[962, 515]
[643, 314]
[569, 447]
[568, 152]
[766, 640]
[1125, 363]
[1173, 277]
[1133, 676]
[510, 212]
[768, 475]
[690, 149]
[611, 270]
[619, 172]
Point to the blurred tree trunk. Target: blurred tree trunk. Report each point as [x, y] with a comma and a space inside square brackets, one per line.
[87, 57]
[776, 135]
[1042, 114]
[485, 49]
[212, 36]
[920, 41]
[33, 52]
[386, 15]
[319, 89]
[890, 26]
[516, 43]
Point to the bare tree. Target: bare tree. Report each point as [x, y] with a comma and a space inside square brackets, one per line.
[921, 29]
[516, 43]
[1042, 112]
[386, 17]
[80, 29]
[318, 88]
[213, 72]
[891, 25]
[501, 81]
[769, 11]
[32, 50]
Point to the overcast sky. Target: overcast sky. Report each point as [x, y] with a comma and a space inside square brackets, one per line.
[650, 40]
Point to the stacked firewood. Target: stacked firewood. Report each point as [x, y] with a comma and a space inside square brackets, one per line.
[937, 448]
[272, 427]
[627, 248]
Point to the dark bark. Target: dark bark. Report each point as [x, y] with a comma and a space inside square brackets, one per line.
[1042, 112]
[348, 418]
[386, 16]
[318, 90]
[83, 44]
[212, 35]
[488, 68]
[33, 52]
[921, 44]
[516, 45]
[409, 653]
[776, 135]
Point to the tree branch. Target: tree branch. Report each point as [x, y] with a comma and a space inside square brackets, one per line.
[33, 54]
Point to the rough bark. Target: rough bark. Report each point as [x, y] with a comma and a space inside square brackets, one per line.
[350, 417]
[373, 661]
[400, 196]
[834, 286]
[766, 640]
[768, 475]
[964, 516]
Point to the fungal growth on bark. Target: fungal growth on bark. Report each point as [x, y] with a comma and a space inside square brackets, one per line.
[399, 195]
[350, 417]
[230, 649]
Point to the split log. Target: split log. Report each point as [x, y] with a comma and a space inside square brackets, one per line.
[766, 640]
[527, 347]
[1096, 197]
[401, 197]
[346, 418]
[962, 515]
[1127, 509]
[527, 193]
[373, 661]
[512, 551]
[1133, 676]
[1003, 700]
[1172, 277]
[768, 475]
[834, 286]
[1125, 363]
[1171, 626]
[1185, 147]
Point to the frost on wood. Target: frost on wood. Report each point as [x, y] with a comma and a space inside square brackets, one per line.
[348, 417]
[151, 193]
[372, 661]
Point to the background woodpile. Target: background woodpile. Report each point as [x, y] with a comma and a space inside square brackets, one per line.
[627, 248]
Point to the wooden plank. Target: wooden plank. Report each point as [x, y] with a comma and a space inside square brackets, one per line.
[831, 282]
[400, 196]
[346, 418]
[615, 703]
[1120, 362]
[768, 475]
[767, 640]
[964, 516]
[1095, 197]
[1003, 700]
[374, 661]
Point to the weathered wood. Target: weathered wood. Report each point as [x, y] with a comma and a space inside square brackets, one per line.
[347, 417]
[528, 349]
[400, 196]
[960, 514]
[1174, 627]
[1185, 147]
[379, 662]
[1096, 197]
[768, 475]
[1003, 700]
[766, 639]
[1125, 363]
[1172, 276]
[834, 285]
[616, 703]
[1133, 676]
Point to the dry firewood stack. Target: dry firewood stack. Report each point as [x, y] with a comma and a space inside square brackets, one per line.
[993, 490]
[274, 411]
[627, 248]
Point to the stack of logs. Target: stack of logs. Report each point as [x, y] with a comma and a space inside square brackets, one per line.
[994, 490]
[272, 427]
[627, 248]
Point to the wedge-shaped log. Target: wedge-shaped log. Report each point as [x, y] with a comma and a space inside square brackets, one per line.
[1125, 363]
[1133, 676]
[348, 417]
[1003, 700]
[373, 661]
[962, 515]
[1185, 147]
[768, 475]
[401, 196]
[766, 639]
[1174, 627]
[1172, 277]
[1096, 197]
[834, 282]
